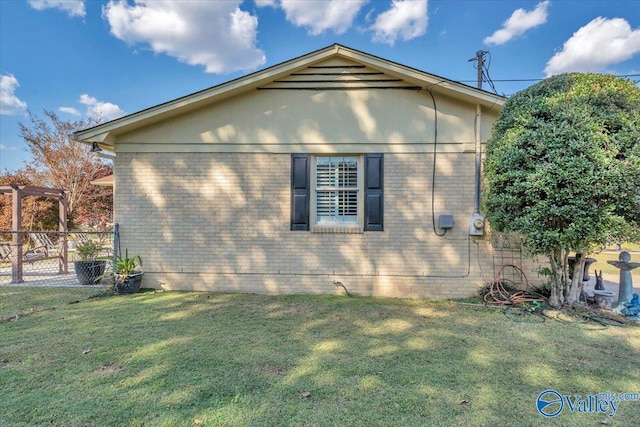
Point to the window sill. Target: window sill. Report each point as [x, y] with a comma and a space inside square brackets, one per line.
[337, 229]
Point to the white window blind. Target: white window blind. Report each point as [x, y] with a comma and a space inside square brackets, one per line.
[337, 189]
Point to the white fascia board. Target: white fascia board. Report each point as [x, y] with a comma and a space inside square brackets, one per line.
[426, 80]
[106, 132]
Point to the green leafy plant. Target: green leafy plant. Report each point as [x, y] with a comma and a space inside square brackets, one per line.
[128, 265]
[562, 170]
[88, 251]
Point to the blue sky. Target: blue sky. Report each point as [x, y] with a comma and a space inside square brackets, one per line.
[115, 57]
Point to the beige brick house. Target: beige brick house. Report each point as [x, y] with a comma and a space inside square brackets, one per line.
[337, 166]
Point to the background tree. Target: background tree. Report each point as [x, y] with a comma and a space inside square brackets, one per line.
[96, 208]
[562, 169]
[62, 163]
[38, 213]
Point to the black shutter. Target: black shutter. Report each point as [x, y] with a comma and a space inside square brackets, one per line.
[373, 192]
[300, 187]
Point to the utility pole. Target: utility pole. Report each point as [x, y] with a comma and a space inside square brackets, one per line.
[480, 58]
[476, 225]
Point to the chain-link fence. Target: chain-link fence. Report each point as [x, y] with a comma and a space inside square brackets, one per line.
[37, 264]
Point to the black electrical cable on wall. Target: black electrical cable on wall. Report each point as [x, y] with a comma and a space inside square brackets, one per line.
[433, 169]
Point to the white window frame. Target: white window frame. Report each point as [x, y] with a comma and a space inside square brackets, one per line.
[322, 225]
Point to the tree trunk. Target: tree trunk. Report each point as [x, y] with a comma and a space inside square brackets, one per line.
[575, 290]
[558, 277]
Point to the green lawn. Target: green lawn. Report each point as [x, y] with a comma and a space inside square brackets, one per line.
[612, 254]
[185, 359]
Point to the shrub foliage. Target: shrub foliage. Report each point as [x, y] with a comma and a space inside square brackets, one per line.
[562, 168]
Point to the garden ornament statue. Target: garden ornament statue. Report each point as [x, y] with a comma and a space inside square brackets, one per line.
[632, 308]
[601, 296]
[625, 289]
[599, 282]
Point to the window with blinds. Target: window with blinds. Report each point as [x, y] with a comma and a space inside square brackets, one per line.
[336, 189]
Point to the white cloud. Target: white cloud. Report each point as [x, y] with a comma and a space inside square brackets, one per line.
[5, 148]
[70, 110]
[595, 46]
[406, 19]
[100, 109]
[71, 7]
[215, 34]
[263, 3]
[10, 104]
[319, 16]
[519, 22]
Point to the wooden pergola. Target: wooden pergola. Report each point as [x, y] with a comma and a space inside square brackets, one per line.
[17, 192]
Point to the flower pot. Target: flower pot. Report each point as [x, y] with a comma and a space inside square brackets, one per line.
[89, 272]
[129, 284]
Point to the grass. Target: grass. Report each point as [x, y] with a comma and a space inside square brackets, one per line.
[18, 301]
[612, 254]
[184, 359]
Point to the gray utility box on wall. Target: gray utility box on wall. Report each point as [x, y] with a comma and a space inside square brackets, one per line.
[446, 221]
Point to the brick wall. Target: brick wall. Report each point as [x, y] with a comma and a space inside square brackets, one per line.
[220, 222]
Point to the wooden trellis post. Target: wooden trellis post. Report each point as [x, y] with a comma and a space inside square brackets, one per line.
[16, 237]
[17, 241]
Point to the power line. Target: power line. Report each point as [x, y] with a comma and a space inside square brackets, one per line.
[538, 79]
[484, 77]
[483, 69]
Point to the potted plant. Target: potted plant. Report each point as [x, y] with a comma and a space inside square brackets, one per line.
[89, 269]
[127, 273]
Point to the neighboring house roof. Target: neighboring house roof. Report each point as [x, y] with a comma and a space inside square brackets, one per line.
[395, 76]
[105, 181]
